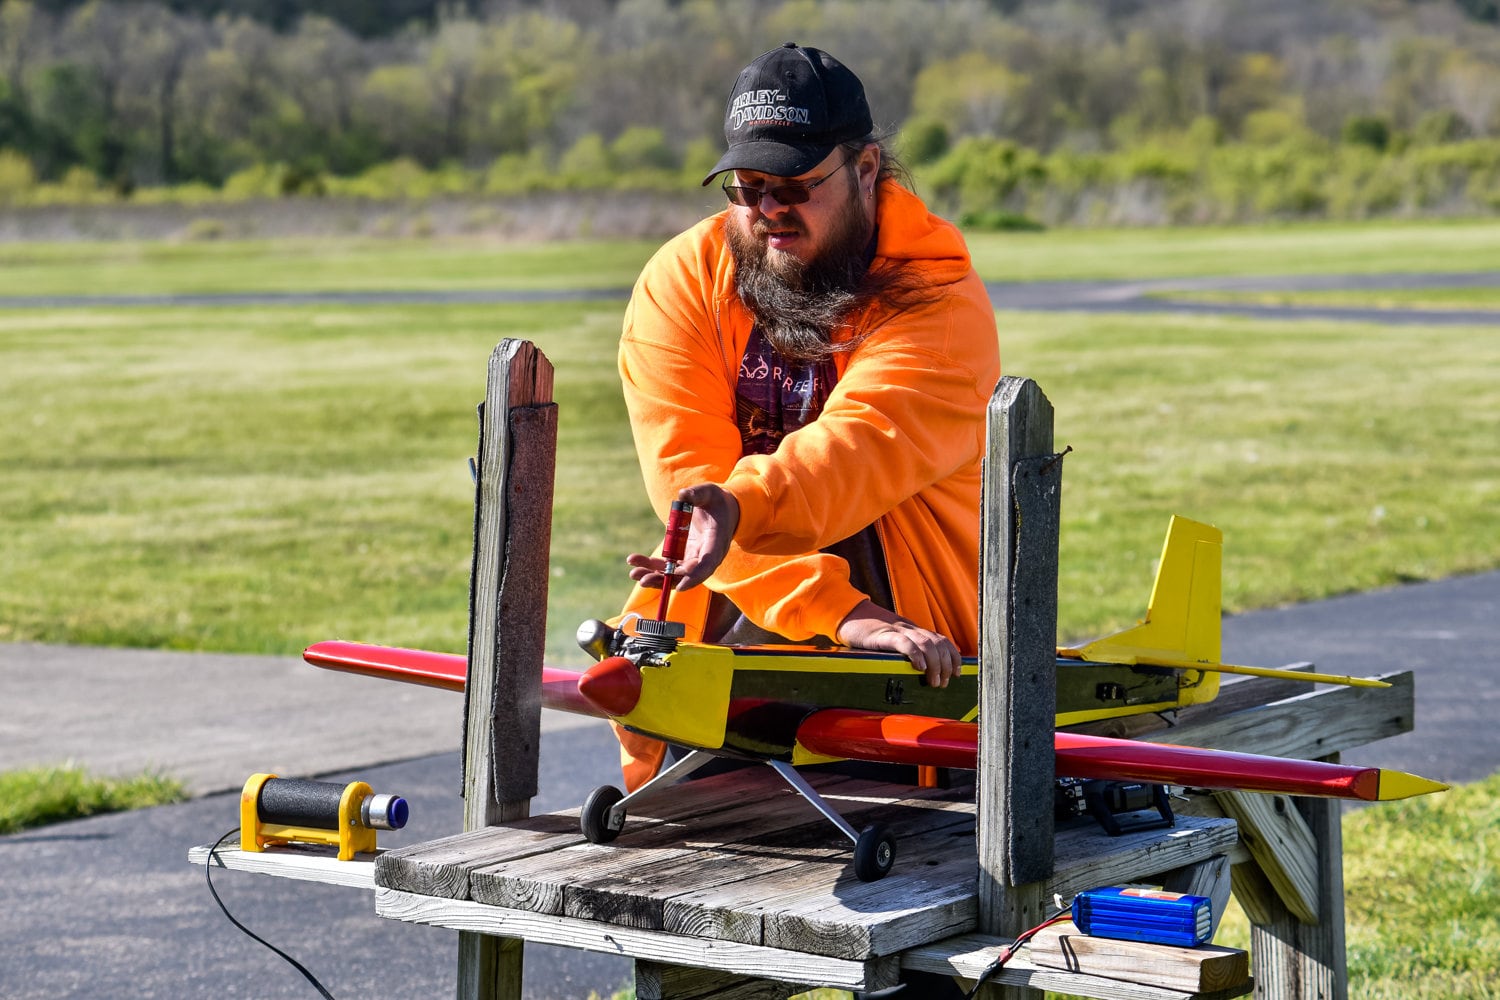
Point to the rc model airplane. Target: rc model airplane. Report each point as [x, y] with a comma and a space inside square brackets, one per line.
[793, 705]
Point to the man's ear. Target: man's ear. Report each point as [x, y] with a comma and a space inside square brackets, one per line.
[868, 168]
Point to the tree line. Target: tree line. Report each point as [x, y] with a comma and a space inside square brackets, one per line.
[1052, 110]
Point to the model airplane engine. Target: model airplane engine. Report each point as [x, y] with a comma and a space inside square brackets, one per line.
[650, 636]
[291, 810]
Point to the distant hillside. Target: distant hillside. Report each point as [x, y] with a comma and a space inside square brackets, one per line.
[1175, 109]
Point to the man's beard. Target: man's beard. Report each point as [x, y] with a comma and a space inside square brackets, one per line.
[798, 305]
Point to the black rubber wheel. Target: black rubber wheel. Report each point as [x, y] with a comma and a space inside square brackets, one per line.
[874, 853]
[593, 819]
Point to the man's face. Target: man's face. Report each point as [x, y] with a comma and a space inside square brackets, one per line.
[836, 219]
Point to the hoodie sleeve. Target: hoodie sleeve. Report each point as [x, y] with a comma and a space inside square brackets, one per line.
[679, 368]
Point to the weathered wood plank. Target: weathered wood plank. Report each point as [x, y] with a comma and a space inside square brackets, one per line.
[1254, 892]
[605, 878]
[1206, 969]
[1308, 726]
[306, 863]
[1088, 857]
[442, 867]
[508, 585]
[727, 956]
[748, 861]
[1018, 635]
[733, 907]
[507, 623]
[1282, 844]
[853, 919]
[969, 956]
[1017, 643]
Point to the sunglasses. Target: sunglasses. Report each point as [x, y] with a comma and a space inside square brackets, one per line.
[791, 193]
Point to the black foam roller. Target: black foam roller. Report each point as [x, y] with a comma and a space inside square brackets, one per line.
[299, 802]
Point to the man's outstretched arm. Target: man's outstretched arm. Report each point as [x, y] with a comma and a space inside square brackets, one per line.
[867, 626]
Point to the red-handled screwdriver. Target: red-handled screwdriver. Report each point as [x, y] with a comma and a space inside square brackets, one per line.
[673, 548]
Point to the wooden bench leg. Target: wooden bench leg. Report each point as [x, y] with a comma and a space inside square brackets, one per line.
[1293, 959]
[1207, 878]
[659, 981]
[489, 968]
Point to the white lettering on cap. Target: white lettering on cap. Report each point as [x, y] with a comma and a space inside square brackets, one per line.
[768, 114]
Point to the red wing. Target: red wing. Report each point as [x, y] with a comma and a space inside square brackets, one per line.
[915, 739]
[414, 666]
[442, 670]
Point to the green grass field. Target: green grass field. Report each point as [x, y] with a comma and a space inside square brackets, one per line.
[339, 263]
[254, 479]
[42, 795]
[257, 478]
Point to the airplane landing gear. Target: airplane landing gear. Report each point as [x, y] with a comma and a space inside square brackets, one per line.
[594, 819]
[603, 814]
[874, 853]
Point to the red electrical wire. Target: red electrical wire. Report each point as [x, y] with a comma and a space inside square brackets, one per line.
[1010, 950]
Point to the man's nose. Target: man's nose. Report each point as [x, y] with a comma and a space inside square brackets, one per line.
[768, 205]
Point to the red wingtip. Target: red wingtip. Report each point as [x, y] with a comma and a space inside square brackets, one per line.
[613, 684]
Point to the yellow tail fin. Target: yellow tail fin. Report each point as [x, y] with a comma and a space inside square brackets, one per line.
[1182, 619]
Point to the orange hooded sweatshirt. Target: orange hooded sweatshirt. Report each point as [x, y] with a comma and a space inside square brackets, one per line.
[898, 443]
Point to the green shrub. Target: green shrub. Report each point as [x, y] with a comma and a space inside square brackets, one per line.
[640, 148]
[520, 173]
[998, 220]
[17, 177]
[981, 173]
[924, 140]
[586, 163]
[1367, 130]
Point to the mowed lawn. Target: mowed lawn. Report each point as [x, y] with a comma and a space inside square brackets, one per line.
[258, 478]
[371, 264]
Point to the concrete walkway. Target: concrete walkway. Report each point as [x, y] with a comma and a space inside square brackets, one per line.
[211, 720]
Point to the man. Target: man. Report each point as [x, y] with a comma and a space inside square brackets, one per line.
[810, 368]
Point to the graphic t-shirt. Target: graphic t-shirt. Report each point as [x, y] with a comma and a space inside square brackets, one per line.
[774, 397]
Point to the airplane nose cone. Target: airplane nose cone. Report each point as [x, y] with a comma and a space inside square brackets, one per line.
[613, 685]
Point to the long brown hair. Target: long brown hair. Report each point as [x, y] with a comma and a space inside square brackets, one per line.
[803, 315]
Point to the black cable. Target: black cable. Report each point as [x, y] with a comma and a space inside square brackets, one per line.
[1009, 951]
[208, 874]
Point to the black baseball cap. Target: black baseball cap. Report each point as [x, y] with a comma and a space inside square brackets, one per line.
[789, 109]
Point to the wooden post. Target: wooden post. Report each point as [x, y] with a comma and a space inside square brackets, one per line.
[507, 625]
[1018, 652]
[660, 981]
[1292, 959]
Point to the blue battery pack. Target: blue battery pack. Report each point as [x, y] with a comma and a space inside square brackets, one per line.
[1151, 915]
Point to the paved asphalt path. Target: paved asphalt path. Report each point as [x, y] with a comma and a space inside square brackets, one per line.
[1076, 296]
[109, 907]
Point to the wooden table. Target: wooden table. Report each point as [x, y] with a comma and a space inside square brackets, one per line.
[736, 876]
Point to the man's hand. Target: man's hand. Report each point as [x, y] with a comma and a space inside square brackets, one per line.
[715, 516]
[869, 626]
